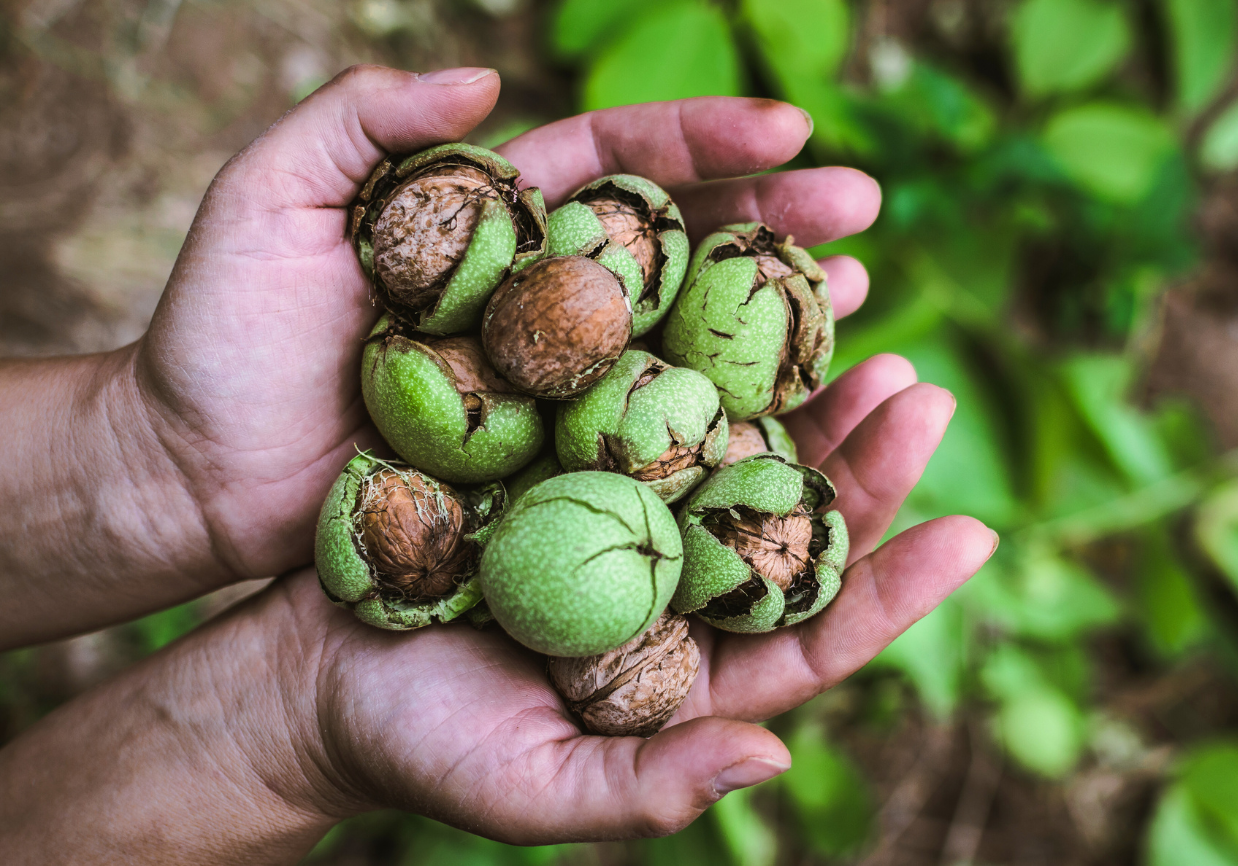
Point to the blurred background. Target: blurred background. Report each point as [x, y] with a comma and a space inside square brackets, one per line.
[1058, 247]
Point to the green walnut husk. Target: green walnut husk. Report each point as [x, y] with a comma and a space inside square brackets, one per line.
[582, 564]
[542, 467]
[659, 424]
[755, 318]
[400, 549]
[436, 231]
[760, 549]
[630, 225]
[441, 406]
[745, 438]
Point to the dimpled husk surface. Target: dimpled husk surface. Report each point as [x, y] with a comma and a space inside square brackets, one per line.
[582, 564]
[415, 405]
[765, 483]
[678, 406]
[720, 327]
[346, 578]
[574, 229]
[491, 253]
[539, 469]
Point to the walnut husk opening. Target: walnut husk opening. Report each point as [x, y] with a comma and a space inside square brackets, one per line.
[411, 532]
[777, 548]
[635, 689]
[743, 440]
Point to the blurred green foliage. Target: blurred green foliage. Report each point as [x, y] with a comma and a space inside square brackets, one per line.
[1036, 206]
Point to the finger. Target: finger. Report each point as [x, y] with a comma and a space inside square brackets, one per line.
[847, 280]
[620, 787]
[882, 596]
[825, 420]
[815, 205]
[321, 151]
[671, 143]
[883, 457]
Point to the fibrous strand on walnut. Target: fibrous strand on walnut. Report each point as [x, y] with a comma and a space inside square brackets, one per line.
[775, 547]
[412, 535]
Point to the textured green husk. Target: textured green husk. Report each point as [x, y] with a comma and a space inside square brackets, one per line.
[347, 579]
[510, 235]
[768, 483]
[737, 336]
[542, 467]
[412, 399]
[575, 230]
[581, 564]
[777, 438]
[634, 428]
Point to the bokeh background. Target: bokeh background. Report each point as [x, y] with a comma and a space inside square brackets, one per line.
[1058, 247]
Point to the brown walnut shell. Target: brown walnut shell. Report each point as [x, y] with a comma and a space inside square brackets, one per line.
[412, 535]
[743, 440]
[556, 327]
[776, 547]
[635, 689]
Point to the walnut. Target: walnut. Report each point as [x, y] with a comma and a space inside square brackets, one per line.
[625, 225]
[635, 689]
[743, 440]
[776, 547]
[425, 230]
[556, 327]
[412, 535]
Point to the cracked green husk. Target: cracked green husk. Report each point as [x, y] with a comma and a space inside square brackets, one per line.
[581, 564]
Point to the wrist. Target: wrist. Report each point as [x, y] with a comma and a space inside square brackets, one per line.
[208, 752]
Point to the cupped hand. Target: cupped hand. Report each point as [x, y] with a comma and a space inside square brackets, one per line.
[249, 374]
[463, 726]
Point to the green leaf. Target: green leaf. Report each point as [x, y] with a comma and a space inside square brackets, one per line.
[1111, 150]
[800, 38]
[1202, 42]
[830, 795]
[1216, 528]
[1178, 835]
[679, 50]
[1043, 730]
[1210, 776]
[1065, 45]
[581, 25]
[749, 839]
[1166, 597]
[1218, 149]
[932, 654]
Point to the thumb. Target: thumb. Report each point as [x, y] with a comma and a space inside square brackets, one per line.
[321, 151]
[624, 787]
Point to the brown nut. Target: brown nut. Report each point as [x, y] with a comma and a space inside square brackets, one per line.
[412, 535]
[635, 689]
[556, 327]
[777, 548]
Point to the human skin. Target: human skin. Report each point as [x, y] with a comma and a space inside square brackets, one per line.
[200, 455]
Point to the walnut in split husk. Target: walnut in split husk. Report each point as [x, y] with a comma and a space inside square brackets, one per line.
[746, 438]
[398, 547]
[661, 425]
[440, 404]
[635, 689]
[556, 327]
[436, 231]
[761, 550]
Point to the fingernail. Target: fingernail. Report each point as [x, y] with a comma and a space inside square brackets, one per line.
[746, 773]
[458, 75]
[954, 404]
[807, 119]
[997, 539]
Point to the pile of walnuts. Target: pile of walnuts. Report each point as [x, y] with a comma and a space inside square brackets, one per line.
[553, 384]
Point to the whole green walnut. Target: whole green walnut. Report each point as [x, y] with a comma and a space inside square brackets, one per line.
[582, 564]
[755, 318]
[556, 327]
[760, 549]
[399, 548]
[443, 408]
[630, 225]
[634, 690]
[436, 231]
[746, 438]
[659, 424]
